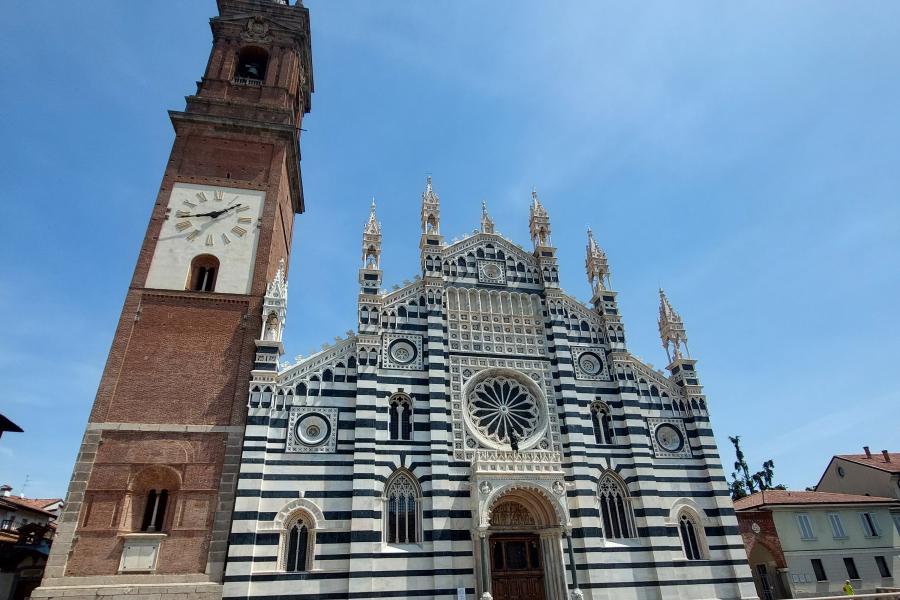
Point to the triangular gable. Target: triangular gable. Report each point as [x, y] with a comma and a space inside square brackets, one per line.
[481, 240]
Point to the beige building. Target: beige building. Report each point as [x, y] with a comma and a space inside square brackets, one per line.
[825, 539]
[867, 474]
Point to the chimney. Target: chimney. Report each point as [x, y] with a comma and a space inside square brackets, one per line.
[5, 490]
[887, 457]
[867, 451]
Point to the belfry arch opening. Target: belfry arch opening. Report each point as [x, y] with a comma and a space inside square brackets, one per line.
[251, 64]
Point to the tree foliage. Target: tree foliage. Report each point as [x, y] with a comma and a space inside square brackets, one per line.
[743, 482]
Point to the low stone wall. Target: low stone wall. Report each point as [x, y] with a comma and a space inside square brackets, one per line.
[189, 591]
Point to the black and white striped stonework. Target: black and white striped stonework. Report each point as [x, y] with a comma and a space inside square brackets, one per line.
[618, 500]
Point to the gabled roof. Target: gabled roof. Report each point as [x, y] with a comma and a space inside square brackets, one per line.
[876, 461]
[786, 497]
[33, 504]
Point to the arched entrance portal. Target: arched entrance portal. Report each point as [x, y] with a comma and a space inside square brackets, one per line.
[524, 548]
[517, 571]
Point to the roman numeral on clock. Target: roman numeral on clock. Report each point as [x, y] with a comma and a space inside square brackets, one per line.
[201, 197]
[182, 225]
[238, 231]
[219, 196]
[193, 235]
[244, 219]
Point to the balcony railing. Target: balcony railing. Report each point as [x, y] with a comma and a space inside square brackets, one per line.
[247, 81]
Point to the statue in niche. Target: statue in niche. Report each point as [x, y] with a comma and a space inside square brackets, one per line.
[271, 331]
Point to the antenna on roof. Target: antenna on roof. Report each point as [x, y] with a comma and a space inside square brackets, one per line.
[24, 485]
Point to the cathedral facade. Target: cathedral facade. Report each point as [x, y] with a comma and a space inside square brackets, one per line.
[481, 435]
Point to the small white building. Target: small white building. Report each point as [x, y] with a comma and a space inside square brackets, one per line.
[828, 538]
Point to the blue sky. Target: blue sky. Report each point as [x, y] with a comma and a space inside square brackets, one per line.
[743, 156]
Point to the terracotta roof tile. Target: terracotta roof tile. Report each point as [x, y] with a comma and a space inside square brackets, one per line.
[38, 504]
[772, 497]
[876, 461]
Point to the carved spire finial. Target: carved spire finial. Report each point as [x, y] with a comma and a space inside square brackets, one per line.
[431, 210]
[487, 223]
[275, 305]
[671, 329]
[371, 243]
[538, 222]
[596, 265]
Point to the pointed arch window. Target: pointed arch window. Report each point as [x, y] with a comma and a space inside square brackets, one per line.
[298, 543]
[601, 418]
[691, 535]
[402, 510]
[615, 509]
[400, 417]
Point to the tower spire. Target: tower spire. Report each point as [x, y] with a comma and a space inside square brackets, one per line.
[671, 329]
[371, 243]
[596, 265]
[431, 210]
[487, 223]
[538, 222]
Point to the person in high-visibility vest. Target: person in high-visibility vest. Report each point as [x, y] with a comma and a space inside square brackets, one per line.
[848, 589]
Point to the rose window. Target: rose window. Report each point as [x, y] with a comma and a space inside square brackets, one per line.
[501, 406]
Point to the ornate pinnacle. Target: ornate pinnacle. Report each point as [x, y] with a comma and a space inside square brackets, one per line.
[373, 227]
[487, 223]
[671, 328]
[538, 222]
[536, 207]
[596, 264]
[431, 209]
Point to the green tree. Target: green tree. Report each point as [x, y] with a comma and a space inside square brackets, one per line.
[743, 482]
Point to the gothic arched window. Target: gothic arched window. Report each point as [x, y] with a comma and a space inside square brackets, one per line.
[691, 535]
[615, 508]
[402, 507]
[400, 417]
[298, 543]
[601, 418]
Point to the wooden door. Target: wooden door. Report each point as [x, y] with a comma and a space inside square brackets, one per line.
[517, 572]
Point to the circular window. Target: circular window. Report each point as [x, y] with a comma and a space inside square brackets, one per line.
[590, 363]
[669, 438]
[312, 429]
[491, 270]
[840, 471]
[502, 404]
[402, 351]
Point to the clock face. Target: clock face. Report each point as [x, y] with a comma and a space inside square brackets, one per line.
[208, 220]
[213, 217]
[669, 438]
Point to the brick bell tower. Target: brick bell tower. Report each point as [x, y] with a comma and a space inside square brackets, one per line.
[153, 487]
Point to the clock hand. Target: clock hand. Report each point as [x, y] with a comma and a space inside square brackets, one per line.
[217, 213]
[214, 214]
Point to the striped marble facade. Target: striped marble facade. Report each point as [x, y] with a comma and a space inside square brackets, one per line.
[318, 455]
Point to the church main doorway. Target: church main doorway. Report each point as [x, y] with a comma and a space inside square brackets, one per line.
[517, 571]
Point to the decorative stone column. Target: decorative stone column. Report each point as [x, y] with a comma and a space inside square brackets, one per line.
[485, 566]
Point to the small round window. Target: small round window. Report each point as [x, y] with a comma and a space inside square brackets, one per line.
[312, 429]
